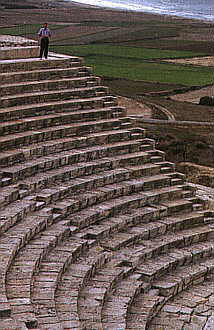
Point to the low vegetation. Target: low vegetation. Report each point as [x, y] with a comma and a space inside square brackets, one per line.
[135, 63]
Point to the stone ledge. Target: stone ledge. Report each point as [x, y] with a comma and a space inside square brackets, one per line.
[14, 41]
[8, 53]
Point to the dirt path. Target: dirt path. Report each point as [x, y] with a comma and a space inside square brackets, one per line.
[194, 96]
[134, 108]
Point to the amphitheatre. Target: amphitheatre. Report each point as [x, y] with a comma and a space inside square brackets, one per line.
[98, 229]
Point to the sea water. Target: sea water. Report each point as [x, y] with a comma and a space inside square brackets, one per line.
[197, 9]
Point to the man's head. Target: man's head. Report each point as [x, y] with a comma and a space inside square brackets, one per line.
[45, 25]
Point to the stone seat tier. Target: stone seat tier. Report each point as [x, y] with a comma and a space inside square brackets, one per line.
[49, 300]
[14, 192]
[49, 85]
[22, 125]
[185, 277]
[56, 132]
[26, 231]
[122, 153]
[43, 74]
[128, 288]
[68, 172]
[60, 175]
[92, 219]
[190, 309]
[23, 233]
[26, 264]
[20, 155]
[27, 110]
[47, 96]
[44, 289]
[16, 211]
[110, 276]
[35, 63]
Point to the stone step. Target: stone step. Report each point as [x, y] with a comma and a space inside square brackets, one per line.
[22, 125]
[186, 276]
[188, 309]
[145, 170]
[22, 111]
[115, 310]
[103, 277]
[150, 304]
[26, 232]
[135, 234]
[10, 243]
[37, 75]
[30, 64]
[108, 226]
[20, 155]
[167, 167]
[155, 268]
[56, 132]
[47, 96]
[19, 52]
[18, 264]
[140, 217]
[80, 159]
[17, 211]
[121, 289]
[118, 206]
[26, 264]
[179, 205]
[100, 321]
[157, 156]
[48, 85]
[11, 324]
[53, 268]
[11, 194]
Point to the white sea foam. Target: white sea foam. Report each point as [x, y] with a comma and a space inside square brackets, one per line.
[199, 9]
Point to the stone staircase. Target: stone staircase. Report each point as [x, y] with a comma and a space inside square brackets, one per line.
[97, 229]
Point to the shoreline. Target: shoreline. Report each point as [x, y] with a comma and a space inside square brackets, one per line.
[176, 17]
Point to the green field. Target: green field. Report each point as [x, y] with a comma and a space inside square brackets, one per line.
[125, 52]
[23, 29]
[139, 64]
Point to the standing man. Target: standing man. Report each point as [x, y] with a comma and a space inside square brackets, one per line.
[44, 35]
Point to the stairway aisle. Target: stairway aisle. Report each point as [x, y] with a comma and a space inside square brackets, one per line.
[97, 229]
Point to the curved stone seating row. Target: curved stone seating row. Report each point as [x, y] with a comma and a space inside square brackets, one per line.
[39, 74]
[49, 85]
[77, 156]
[30, 231]
[35, 64]
[15, 217]
[190, 310]
[56, 132]
[54, 120]
[109, 272]
[46, 96]
[126, 289]
[185, 277]
[11, 157]
[86, 202]
[27, 110]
